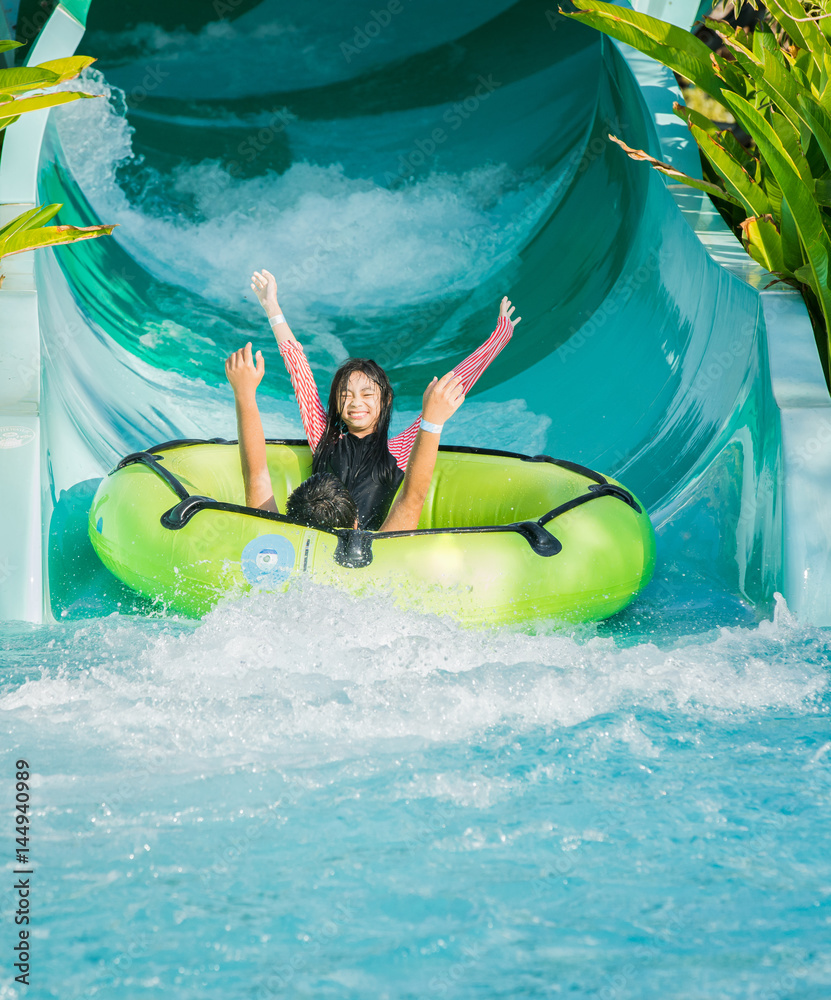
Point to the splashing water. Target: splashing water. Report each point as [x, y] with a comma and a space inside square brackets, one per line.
[287, 790]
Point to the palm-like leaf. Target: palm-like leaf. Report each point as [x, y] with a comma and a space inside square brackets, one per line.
[49, 236]
[22, 105]
[669, 171]
[670, 45]
[27, 230]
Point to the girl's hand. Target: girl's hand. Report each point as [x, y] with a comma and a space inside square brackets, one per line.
[243, 374]
[442, 397]
[265, 285]
[505, 309]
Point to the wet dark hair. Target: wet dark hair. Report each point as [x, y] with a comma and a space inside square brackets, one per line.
[322, 501]
[335, 425]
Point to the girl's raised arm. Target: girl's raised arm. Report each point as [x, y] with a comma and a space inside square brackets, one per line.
[442, 398]
[468, 371]
[245, 373]
[312, 412]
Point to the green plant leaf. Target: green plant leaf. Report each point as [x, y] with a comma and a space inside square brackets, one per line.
[722, 29]
[789, 137]
[777, 81]
[672, 46]
[745, 58]
[755, 124]
[23, 78]
[805, 275]
[824, 99]
[805, 34]
[736, 179]
[765, 41]
[808, 80]
[756, 43]
[29, 220]
[689, 115]
[669, 171]
[762, 241]
[772, 190]
[50, 236]
[67, 68]
[725, 136]
[819, 124]
[5, 122]
[6, 44]
[806, 214]
[822, 192]
[814, 156]
[24, 104]
[748, 160]
[773, 79]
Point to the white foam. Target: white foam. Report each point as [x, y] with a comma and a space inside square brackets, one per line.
[317, 675]
[336, 242]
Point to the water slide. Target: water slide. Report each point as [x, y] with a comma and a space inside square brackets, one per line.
[400, 169]
[307, 795]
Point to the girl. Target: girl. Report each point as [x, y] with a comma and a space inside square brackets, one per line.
[322, 501]
[350, 438]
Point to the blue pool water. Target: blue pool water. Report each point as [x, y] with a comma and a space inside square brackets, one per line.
[303, 795]
[311, 796]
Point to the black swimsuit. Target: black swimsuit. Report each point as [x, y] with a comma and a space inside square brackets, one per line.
[372, 486]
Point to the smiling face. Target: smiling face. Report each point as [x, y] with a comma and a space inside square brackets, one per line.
[361, 404]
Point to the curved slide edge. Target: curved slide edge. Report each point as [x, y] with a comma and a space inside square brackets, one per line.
[22, 551]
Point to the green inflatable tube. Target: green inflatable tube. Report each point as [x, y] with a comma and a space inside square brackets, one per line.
[503, 538]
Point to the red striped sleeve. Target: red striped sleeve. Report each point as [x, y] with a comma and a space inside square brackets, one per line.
[305, 390]
[469, 371]
[402, 444]
[471, 368]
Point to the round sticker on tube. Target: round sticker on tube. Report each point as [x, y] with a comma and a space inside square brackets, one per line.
[267, 560]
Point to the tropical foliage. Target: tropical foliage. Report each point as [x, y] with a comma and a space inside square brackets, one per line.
[776, 82]
[28, 231]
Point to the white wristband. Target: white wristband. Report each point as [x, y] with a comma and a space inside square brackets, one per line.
[276, 320]
[425, 425]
